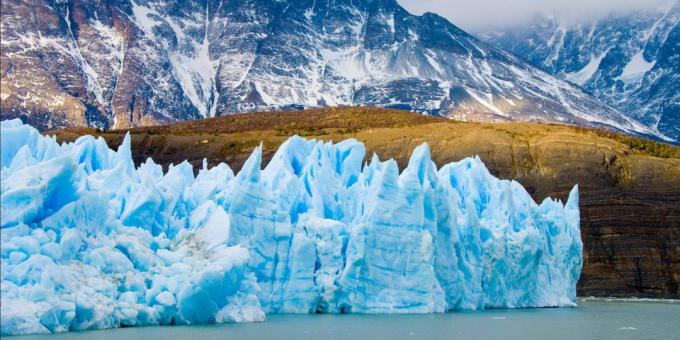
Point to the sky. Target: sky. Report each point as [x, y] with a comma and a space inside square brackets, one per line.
[480, 15]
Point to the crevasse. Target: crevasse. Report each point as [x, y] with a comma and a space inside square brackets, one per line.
[90, 241]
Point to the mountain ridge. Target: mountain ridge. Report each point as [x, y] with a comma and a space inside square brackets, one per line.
[628, 60]
[120, 64]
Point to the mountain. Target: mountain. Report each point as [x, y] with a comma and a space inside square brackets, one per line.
[630, 61]
[116, 64]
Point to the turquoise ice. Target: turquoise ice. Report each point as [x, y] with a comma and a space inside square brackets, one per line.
[90, 241]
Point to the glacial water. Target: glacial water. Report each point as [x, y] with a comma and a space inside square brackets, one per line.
[592, 319]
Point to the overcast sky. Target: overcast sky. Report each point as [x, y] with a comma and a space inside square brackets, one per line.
[477, 15]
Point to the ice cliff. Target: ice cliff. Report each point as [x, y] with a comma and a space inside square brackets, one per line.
[90, 241]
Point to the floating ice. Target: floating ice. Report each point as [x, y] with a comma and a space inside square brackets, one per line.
[89, 241]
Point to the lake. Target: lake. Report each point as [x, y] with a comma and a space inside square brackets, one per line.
[592, 319]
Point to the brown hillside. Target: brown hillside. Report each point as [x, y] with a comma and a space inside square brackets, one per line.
[630, 187]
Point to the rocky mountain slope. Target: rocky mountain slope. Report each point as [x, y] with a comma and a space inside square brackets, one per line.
[138, 63]
[630, 61]
[629, 187]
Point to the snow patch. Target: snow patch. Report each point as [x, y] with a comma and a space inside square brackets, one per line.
[196, 73]
[487, 103]
[583, 75]
[143, 17]
[390, 23]
[636, 69]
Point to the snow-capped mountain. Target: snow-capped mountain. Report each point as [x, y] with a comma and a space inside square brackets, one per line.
[134, 62]
[630, 61]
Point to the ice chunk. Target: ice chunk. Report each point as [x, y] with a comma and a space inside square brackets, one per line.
[330, 240]
[36, 192]
[212, 224]
[90, 241]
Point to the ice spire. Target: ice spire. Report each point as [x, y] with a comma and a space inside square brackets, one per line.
[250, 172]
[124, 155]
[573, 200]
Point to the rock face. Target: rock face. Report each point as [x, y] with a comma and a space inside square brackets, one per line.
[134, 63]
[629, 188]
[630, 61]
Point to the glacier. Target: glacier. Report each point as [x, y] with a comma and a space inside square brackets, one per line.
[91, 241]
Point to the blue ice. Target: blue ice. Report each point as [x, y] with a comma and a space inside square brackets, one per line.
[90, 241]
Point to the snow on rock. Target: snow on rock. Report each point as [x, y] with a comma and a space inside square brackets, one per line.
[627, 60]
[583, 75]
[636, 68]
[89, 241]
[167, 60]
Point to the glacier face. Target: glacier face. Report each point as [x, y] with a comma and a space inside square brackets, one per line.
[90, 241]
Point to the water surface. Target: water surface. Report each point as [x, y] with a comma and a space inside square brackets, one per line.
[592, 319]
